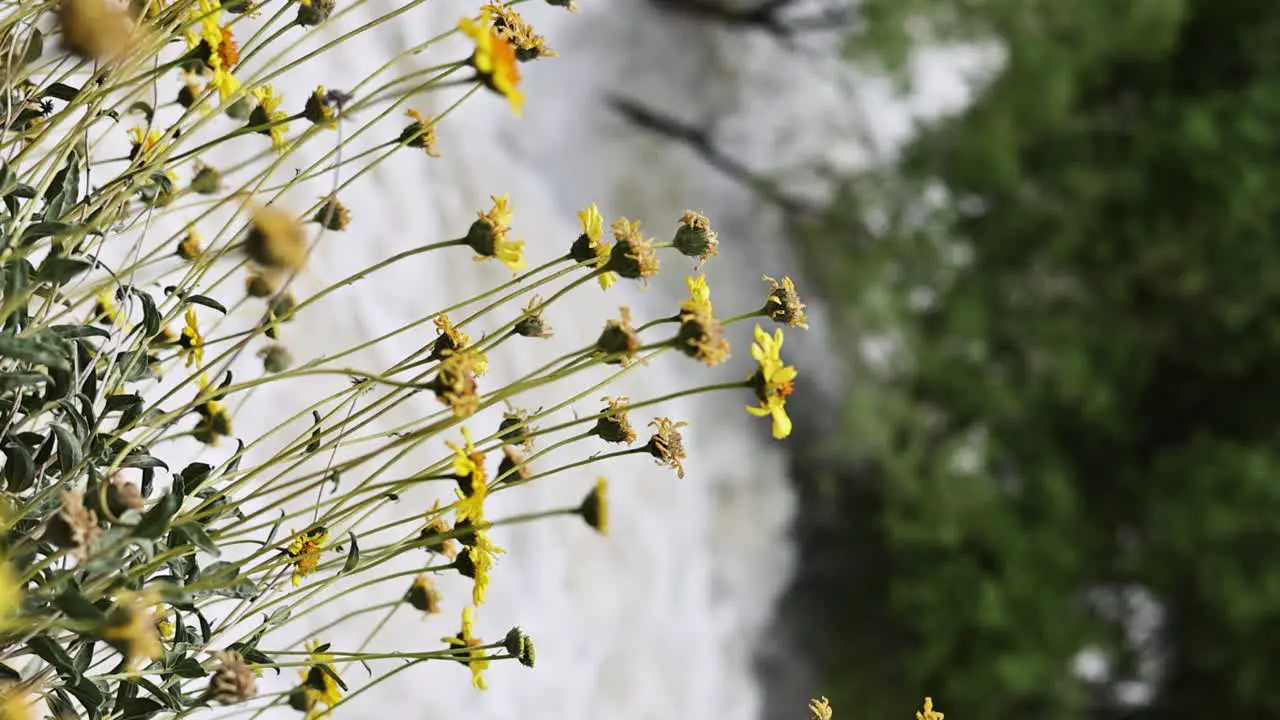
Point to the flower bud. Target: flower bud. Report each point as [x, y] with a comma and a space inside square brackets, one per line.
[333, 215]
[314, 12]
[613, 425]
[275, 358]
[207, 180]
[695, 238]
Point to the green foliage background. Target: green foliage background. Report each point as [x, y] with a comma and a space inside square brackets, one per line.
[1101, 342]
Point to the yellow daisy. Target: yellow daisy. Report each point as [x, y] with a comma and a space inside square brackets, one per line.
[773, 382]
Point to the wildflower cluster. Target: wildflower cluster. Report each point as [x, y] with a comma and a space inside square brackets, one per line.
[156, 557]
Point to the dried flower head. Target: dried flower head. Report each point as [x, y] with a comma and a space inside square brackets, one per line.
[618, 342]
[613, 425]
[449, 339]
[95, 29]
[269, 118]
[233, 682]
[123, 496]
[130, 628]
[632, 256]
[783, 303]
[421, 133]
[261, 284]
[314, 12]
[332, 214]
[215, 419]
[74, 526]
[191, 244]
[433, 535]
[207, 180]
[305, 551]
[488, 235]
[455, 382]
[515, 429]
[513, 468]
[695, 238]
[495, 61]
[191, 91]
[667, 445]
[275, 358]
[276, 240]
[423, 595]
[531, 323]
[773, 382]
[595, 507]
[820, 708]
[509, 26]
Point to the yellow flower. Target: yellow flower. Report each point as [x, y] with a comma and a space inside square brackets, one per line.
[189, 248]
[222, 51]
[591, 245]
[483, 554]
[495, 61]
[468, 469]
[773, 382]
[215, 419]
[192, 341]
[131, 627]
[319, 683]
[143, 142]
[820, 708]
[475, 657]
[104, 307]
[269, 115]
[928, 713]
[488, 235]
[306, 549]
[699, 302]
[421, 133]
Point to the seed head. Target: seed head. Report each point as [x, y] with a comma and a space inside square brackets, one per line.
[276, 240]
[233, 682]
[613, 425]
[695, 238]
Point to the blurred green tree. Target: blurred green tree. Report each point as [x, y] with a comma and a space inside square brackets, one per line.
[1077, 442]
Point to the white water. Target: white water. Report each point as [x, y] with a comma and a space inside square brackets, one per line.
[663, 618]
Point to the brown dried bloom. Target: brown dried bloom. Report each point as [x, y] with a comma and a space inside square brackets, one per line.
[131, 628]
[333, 215]
[515, 429]
[123, 495]
[701, 337]
[449, 338]
[423, 595]
[613, 425]
[261, 285]
[531, 324]
[695, 238]
[276, 240]
[189, 247]
[233, 682]
[509, 26]
[632, 256]
[95, 29]
[783, 304]
[437, 527]
[619, 341]
[74, 527]
[421, 133]
[667, 445]
[513, 469]
[455, 383]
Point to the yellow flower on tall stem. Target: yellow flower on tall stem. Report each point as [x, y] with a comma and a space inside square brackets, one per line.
[590, 245]
[475, 658]
[468, 469]
[495, 61]
[319, 684]
[305, 550]
[773, 382]
[192, 341]
[269, 117]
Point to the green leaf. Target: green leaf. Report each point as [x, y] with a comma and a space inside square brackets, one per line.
[353, 555]
[59, 270]
[69, 451]
[134, 365]
[156, 520]
[24, 191]
[145, 108]
[186, 667]
[89, 695]
[36, 351]
[75, 332]
[61, 91]
[207, 302]
[144, 461]
[252, 654]
[36, 231]
[169, 701]
[192, 478]
[19, 467]
[52, 652]
[77, 606]
[150, 315]
[195, 535]
[18, 380]
[64, 191]
[84, 656]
